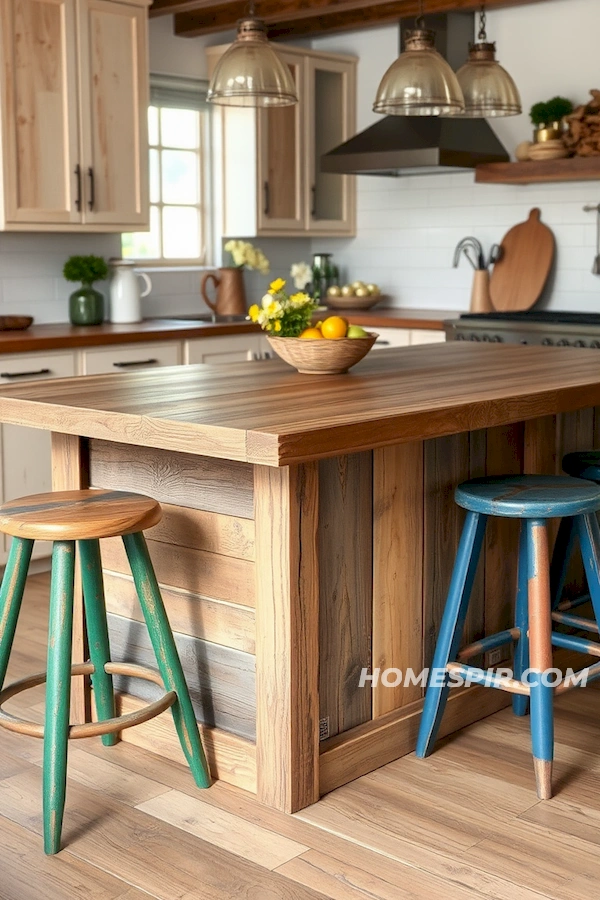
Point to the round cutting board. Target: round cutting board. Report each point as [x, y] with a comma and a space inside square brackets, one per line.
[519, 277]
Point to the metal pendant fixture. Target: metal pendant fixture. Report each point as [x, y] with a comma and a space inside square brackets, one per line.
[488, 89]
[250, 72]
[420, 82]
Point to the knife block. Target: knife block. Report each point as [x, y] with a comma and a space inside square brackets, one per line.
[481, 302]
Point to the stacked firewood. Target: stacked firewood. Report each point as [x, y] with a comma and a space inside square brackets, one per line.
[583, 136]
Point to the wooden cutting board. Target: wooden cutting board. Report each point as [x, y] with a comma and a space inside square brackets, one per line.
[519, 277]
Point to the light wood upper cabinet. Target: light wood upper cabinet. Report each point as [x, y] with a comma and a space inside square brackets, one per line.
[268, 160]
[73, 98]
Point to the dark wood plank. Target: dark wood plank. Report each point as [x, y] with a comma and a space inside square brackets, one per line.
[221, 681]
[346, 588]
[577, 168]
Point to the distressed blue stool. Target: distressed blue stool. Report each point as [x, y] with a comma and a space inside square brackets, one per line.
[83, 517]
[533, 499]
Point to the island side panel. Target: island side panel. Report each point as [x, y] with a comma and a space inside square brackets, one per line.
[346, 589]
[203, 551]
[287, 635]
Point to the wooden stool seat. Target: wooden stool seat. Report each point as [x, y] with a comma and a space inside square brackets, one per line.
[78, 515]
[529, 496]
[533, 499]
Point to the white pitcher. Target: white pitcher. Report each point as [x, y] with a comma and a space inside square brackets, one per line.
[125, 294]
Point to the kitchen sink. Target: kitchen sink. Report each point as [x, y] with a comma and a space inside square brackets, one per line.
[200, 317]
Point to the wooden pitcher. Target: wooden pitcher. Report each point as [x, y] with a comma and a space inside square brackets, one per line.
[231, 295]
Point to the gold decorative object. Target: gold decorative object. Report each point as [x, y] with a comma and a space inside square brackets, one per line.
[583, 135]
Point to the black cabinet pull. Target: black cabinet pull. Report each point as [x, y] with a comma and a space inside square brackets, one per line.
[267, 199]
[382, 343]
[135, 362]
[92, 200]
[313, 210]
[78, 197]
[25, 374]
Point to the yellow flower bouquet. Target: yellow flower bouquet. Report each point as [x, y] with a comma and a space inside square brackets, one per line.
[281, 314]
[246, 254]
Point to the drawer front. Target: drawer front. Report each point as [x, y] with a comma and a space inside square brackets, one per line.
[427, 336]
[222, 350]
[130, 358]
[391, 337]
[35, 367]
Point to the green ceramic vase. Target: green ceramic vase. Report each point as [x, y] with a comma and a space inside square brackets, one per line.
[86, 306]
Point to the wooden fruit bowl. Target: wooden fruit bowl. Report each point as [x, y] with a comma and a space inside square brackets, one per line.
[352, 301]
[322, 357]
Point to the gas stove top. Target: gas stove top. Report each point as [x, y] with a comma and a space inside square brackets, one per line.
[549, 328]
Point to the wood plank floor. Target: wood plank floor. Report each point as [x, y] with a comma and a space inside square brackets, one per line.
[464, 824]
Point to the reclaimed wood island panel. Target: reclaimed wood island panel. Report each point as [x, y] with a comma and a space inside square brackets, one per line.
[309, 531]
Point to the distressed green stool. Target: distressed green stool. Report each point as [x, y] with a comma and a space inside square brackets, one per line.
[533, 499]
[85, 517]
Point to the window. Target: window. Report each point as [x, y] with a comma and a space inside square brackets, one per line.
[177, 126]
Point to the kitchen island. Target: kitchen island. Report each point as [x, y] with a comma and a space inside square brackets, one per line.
[309, 533]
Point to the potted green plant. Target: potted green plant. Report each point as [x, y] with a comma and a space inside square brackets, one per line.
[86, 305]
[548, 118]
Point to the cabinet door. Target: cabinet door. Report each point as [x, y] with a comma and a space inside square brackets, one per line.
[391, 337]
[39, 112]
[114, 102]
[127, 358]
[281, 177]
[426, 336]
[223, 350]
[330, 120]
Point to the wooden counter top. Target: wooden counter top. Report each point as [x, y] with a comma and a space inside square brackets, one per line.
[266, 413]
[64, 336]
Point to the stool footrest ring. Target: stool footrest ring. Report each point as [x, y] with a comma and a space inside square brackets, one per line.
[89, 729]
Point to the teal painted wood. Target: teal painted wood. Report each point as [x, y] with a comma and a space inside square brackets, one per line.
[583, 464]
[167, 657]
[541, 692]
[451, 630]
[588, 532]
[561, 557]
[11, 595]
[97, 632]
[520, 703]
[58, 692]
[529, 496]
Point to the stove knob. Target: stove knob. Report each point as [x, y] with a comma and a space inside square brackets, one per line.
[460, 337]
[547, 342]
[497, 339]
[563, 343]
[579, 344]
[595, 345]
[475, 337]
[486, 338]
[524, 342]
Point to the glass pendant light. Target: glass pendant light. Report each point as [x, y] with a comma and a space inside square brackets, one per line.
[487, 88]
[420, 82]
[250, 73]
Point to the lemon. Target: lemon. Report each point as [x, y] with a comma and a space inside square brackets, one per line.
[311, 334]
[334, 328]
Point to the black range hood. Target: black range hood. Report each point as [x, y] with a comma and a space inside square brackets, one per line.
[415, 145]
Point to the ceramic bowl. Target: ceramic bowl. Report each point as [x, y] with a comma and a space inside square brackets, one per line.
[322, 357]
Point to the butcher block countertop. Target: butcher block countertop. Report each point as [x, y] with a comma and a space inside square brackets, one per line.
[64, 336]
[266, 413]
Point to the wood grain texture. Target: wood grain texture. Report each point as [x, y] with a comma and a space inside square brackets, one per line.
[521, 272]
[201, 530]
[221, 681]
[271, 415]
[287, 636]
[579, 168]
[181, 479]
[446, 465]
[397, 570]
[70, 472]
[345, 588]
[220, 623]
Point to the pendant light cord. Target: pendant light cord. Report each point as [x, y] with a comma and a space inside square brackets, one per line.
[420, 20]
[250, 8]
[482, 23]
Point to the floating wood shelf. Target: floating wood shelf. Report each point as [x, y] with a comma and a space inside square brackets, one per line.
[535, 172]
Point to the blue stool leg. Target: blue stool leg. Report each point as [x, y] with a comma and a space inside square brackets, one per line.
[97, 631]
[11, 595]
[451, 629]
[540, 640]
[58, 692]
[563, 551]
[588, 532]
[520, 702]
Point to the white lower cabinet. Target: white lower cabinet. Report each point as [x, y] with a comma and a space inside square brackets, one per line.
[426, 336]
[231, 348]
[130, 357]
[25, 458]
[407, 337]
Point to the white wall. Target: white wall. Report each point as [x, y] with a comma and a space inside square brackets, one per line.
[408, 227]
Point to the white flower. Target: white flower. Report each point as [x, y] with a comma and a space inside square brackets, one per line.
[302, 275]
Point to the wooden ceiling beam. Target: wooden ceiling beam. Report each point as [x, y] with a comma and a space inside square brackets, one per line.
[302, 18]
[171, 7]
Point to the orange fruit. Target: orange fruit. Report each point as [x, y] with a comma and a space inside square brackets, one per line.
[334, 328]
[311, 334]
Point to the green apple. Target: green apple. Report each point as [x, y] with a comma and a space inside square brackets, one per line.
[356, 331]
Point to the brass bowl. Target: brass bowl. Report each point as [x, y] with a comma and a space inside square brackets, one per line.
[322, 357]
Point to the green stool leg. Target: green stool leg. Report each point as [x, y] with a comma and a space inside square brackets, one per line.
[97, 631]
[58, 692]
[166, 654]
[11, 595]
